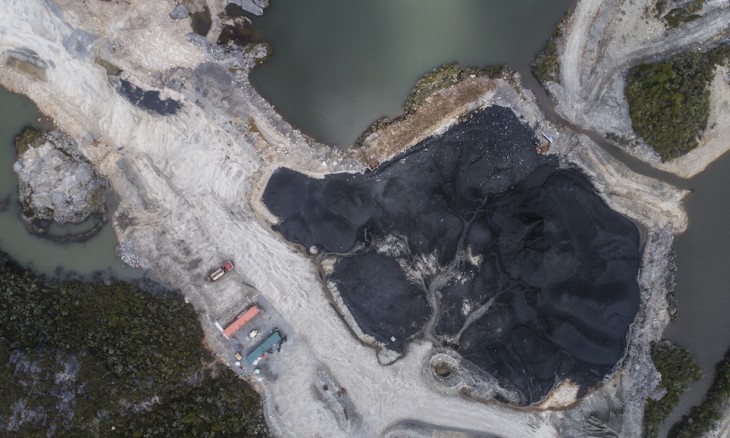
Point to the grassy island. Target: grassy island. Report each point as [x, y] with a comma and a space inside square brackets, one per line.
[87, 359]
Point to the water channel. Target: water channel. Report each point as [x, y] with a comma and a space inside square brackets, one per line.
[338, 66]
[703, 278]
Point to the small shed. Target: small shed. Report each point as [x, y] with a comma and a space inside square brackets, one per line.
[242, 320]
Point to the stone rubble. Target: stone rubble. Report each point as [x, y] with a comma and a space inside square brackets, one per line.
[56, 182]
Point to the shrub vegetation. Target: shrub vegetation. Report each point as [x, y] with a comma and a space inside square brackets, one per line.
[669, 102]
[85, 359]
[438, 79]
[678, 372]
[702, 418]
[444, 77]
[546, 66]
[675, 17]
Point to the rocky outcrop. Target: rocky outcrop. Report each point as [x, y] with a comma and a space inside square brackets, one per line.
[57, 183]
[255, 7]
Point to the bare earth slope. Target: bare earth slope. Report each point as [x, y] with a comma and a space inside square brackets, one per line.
[190, 187]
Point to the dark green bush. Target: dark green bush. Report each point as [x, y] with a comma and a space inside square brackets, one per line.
[669, 102]
[213, 408]
[678, 372]
[702, 418]
[132, 348]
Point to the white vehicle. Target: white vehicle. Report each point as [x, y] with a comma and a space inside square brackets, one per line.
[223, 270]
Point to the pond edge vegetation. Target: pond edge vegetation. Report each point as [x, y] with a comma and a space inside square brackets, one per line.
[546, 65]
[678, 372]
[440, 78]
[703, 418]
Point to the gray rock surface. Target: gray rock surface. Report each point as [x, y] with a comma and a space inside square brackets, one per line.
[255, 7]
[179, 12]
[56, 182]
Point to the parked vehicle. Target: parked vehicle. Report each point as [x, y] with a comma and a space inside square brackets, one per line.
[241, 320]
[259, 352]
[223, 270]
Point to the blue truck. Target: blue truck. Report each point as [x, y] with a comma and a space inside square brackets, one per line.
[255, 354]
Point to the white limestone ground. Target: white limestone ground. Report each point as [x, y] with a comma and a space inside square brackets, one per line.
[602, 40]
[189, 186]
[57, 183]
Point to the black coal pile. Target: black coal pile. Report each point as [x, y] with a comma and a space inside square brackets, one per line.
[548, 268]
[149, 100]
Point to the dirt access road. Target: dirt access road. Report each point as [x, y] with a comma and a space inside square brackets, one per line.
[603, 40]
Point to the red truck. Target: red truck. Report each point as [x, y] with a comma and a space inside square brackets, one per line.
[223, 270]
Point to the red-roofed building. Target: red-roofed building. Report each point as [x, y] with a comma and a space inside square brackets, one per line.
[242, 320]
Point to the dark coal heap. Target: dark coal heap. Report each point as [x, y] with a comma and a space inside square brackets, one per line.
[555, 288]
[149, 100]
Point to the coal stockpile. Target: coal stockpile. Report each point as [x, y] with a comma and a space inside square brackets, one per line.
[375, 278]
[149, 100]
[540, 273]
[564, 275]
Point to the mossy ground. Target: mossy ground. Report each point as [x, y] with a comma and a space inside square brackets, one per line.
[141, 367]
[28, 137]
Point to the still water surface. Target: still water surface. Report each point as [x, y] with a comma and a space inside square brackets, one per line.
[44, 256]
[337, 66]
[703, 277]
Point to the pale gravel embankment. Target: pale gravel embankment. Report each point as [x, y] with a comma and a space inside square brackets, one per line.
[603, 40]
[188, 183]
